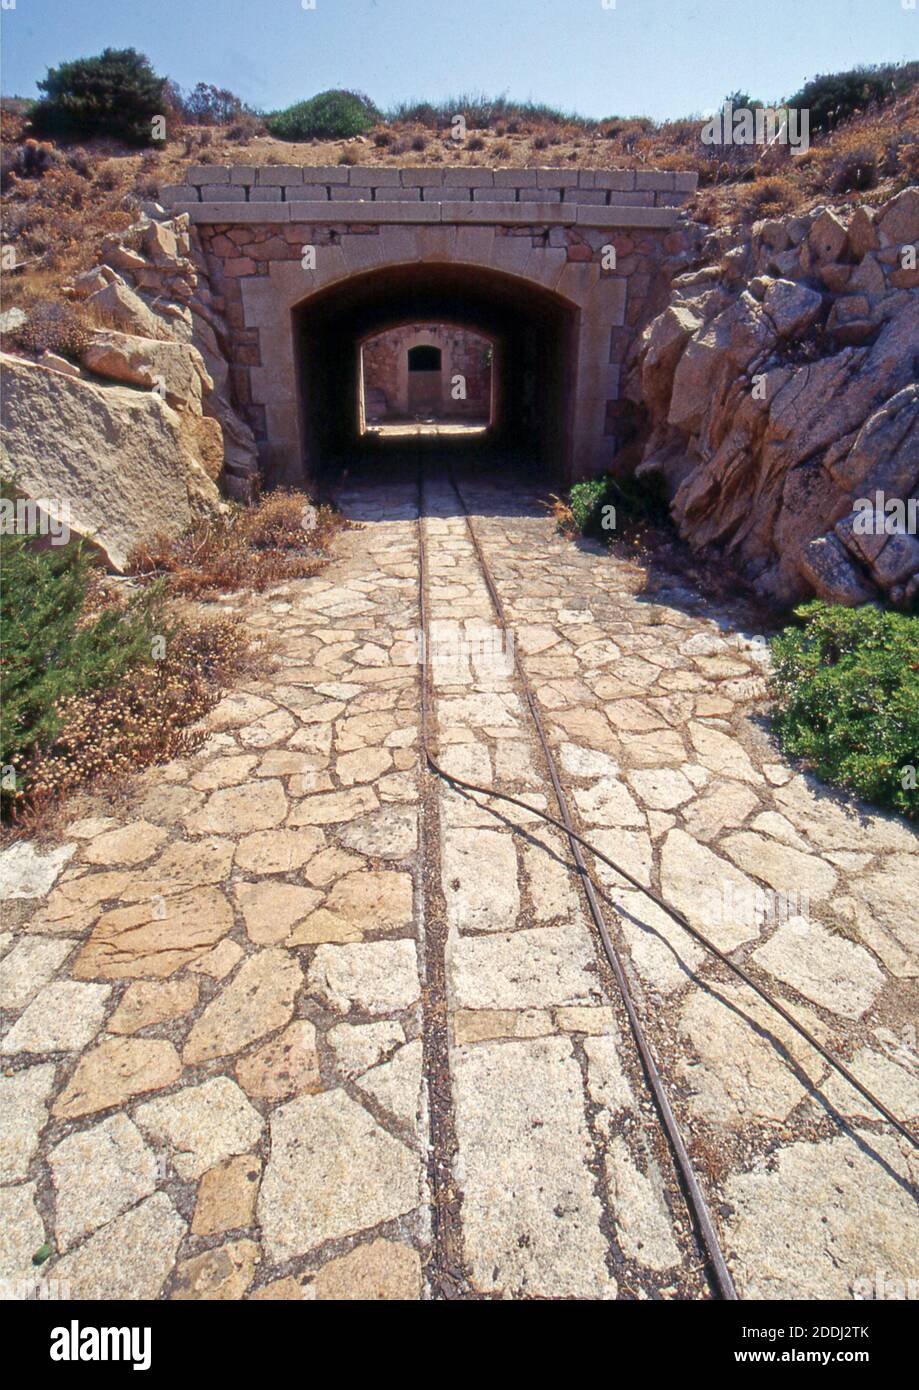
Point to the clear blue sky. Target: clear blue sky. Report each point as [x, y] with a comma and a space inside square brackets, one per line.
[644, 57]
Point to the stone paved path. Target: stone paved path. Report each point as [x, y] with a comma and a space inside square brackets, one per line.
[216, 994]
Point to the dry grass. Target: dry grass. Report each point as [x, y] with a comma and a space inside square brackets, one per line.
[282, 537]
[56, 221]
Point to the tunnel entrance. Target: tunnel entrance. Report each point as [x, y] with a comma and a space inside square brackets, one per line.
[527, 332]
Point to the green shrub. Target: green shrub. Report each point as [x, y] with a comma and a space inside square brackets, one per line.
[51, 649]
[834, 97]
[600, 507]
[116, 93]
[332, 115]
[846, 685]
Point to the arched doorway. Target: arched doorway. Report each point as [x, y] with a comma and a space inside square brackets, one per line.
[532, 330]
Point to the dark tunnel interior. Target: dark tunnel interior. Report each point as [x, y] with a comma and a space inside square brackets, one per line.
[532, 329]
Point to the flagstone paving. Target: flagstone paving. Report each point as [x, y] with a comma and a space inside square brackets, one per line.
[217, 998]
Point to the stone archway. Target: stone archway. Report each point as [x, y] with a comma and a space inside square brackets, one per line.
[571, 253]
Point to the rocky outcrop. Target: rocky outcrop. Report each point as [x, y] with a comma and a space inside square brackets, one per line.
[779, 387]
[117, 461]
[167, 333]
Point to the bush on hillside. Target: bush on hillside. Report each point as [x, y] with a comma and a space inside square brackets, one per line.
[834, 97]
[332, 115]
[846, 685]
[116, 94]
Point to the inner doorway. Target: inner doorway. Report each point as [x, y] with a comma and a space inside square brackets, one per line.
[426, 378]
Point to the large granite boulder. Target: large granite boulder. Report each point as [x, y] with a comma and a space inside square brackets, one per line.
[117, 459]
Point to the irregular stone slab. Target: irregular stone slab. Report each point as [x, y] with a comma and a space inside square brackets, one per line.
[147, 1002]
[479, 878]
[531, 1217]
[220, 961]
[235, 810]
[272, 909]
[526, 969]
[663, 953]
[116, 1071]
[287, 1066]
[722, 753]
[662, 788]
[824, 967]
[227, 771]
[379, 977]
[585, 762]
[278, 851]
[98, 1173]
[742, 1073]
[31, 963]
[882, 909]
[705, 887]
[724, 805]
[608, 803]
[237, 709]
[375, 902]
[217, 1275]
[23, 1113]
[154, 938]
[383, 1270]
[25, 872]
[330, 808]
[396, 1084]
[226, 1196]
[363, 765]
[259, 999]
[129, 844]
[64, 1017]
[332, 1171]
[130, 1258]
[892, 1084]
[185, 864]
[358, 1046]
[607, 1083]
[784, 868]
[22, 1233]
[390, 834]
[820, 1217]
[76, 904]
[202, 1125]
[644, 1224]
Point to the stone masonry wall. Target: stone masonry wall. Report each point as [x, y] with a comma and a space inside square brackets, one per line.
[463, 352]
[554, 228]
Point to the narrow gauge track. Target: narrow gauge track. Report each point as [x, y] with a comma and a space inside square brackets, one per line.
[697, 1206]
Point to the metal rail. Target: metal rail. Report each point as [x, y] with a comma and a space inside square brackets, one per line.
[695, 1198]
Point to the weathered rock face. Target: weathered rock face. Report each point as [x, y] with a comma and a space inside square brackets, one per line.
[780, 389]
[119, 458]
[169, 334]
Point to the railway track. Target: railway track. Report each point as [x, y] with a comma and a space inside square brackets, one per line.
[447, 1235]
